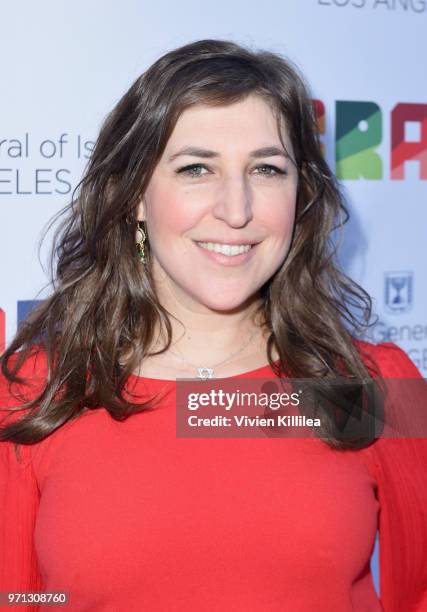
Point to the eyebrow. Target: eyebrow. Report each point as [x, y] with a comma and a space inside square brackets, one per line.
[270, 151]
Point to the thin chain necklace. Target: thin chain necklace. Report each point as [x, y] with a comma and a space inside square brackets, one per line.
[205, 372]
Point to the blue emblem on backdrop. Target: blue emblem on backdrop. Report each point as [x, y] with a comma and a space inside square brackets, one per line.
[25, 307]
[398, 291]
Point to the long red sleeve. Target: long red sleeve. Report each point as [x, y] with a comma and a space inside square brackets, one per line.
[400, 467]
[19, 498]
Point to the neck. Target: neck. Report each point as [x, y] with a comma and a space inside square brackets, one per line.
[207, 337]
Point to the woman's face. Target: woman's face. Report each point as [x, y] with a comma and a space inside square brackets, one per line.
[229, 192]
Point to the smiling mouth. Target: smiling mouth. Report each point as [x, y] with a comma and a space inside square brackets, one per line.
[230, 250]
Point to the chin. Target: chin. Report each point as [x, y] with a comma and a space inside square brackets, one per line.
[224, 304]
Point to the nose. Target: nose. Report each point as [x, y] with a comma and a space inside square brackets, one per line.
[233, 204]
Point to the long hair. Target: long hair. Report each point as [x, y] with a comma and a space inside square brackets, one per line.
[103, 306]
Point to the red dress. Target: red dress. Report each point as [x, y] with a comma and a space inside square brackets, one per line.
[125, 516]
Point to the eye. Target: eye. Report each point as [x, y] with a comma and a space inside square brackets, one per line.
[272, 171]
[267, 170]
[191, 170]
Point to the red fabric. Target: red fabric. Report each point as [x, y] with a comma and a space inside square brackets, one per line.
[126, 516]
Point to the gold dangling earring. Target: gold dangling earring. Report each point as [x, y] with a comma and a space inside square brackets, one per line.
[140, 235]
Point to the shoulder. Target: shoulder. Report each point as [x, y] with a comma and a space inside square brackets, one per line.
[403, 396]
[32, 372]
[390, 360]
[32, 366]
[404, 439]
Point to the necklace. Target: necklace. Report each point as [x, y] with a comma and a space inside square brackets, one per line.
[205, 372]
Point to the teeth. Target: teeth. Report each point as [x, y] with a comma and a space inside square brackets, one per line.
[225, 249]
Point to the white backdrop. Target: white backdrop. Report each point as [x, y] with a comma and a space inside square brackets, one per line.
[66, 64]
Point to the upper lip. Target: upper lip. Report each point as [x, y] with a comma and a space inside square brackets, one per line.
[231, 242]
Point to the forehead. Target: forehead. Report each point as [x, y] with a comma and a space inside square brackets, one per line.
[250, 121]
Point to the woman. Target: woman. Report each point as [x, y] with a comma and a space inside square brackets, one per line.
[199, 247]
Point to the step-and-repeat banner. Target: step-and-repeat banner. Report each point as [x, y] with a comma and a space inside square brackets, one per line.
[66, 64]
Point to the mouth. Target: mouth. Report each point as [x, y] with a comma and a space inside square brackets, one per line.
[227, 254]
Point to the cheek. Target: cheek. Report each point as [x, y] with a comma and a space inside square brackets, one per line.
[171, 216]
[281, 220]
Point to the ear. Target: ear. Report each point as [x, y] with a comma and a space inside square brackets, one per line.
[140, 211]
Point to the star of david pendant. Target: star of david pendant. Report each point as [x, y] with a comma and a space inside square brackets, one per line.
[205, 373]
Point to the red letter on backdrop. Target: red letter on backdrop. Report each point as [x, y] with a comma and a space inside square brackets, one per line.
[402, 151]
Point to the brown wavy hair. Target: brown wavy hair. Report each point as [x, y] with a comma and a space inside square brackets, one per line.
[103, 306]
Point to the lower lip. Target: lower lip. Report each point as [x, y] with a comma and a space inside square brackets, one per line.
[228, 260]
